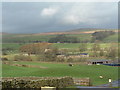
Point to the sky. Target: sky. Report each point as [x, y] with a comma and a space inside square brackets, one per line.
[37, 17]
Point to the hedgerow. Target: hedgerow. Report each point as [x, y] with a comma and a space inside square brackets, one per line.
[25, 83]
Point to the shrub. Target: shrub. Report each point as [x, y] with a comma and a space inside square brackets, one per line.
[70, 60]
[22, 58]
[4, 59]
[4, 53]
[82, 59]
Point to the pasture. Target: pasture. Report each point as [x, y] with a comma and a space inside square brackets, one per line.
[53, 69]
[112, 38]
[77, 45]
[16, 46]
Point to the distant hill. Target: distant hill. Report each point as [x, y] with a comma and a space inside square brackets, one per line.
[81, 30]
[4, 33]
[82, 34]
[89, 29]
[76, 31]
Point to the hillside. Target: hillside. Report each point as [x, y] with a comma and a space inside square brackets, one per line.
[82, 35]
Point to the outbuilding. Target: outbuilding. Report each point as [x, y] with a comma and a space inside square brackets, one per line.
[100, 61]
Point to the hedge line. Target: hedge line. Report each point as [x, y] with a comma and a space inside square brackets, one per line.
[22, 83]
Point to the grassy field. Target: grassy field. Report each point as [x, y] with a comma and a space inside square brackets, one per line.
[60, 70]
[11, 45]
[16, 46]
[81, 37]
[26, 38]
[77, 45]
[112, 38]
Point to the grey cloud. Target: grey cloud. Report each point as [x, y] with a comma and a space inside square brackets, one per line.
[26, 17]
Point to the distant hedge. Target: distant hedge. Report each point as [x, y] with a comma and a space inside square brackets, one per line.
[25, 83]
[22, 58]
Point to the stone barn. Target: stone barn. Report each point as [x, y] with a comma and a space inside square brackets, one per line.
[99, 61]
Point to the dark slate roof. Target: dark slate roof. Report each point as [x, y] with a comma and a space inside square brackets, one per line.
[83, 53]
[98, 60]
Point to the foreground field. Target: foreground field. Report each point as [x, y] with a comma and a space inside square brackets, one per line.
[60, 70]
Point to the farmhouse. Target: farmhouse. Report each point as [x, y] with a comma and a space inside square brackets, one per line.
[79, 55]
[73, 55]
[47, 50]
[99, 61]
[84, 54]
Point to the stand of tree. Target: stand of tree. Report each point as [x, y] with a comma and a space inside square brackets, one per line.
[63, 39]
[100, 35]
[34, 48]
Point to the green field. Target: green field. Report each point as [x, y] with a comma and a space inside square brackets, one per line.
[77, 45]
[60, 70]
[112, 38]
[26, 38]
[16, 46]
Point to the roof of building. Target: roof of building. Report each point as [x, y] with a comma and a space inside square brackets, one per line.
[83, 53]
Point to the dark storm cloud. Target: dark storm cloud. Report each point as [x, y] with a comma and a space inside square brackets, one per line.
[45, 17]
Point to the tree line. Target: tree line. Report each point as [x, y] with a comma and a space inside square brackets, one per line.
[100, 35]
[63, 39]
